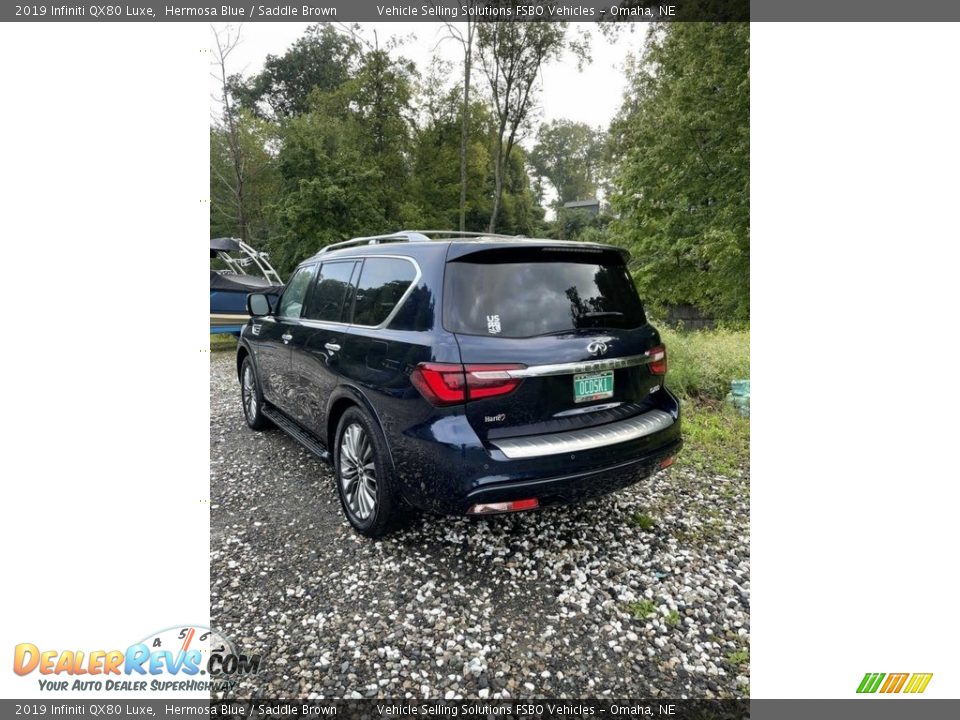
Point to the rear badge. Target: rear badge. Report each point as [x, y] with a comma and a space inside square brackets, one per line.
[495, 418]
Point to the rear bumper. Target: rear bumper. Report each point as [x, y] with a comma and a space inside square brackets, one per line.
[575, 487]
[444, 467]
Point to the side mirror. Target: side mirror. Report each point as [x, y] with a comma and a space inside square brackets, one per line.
[258, 305]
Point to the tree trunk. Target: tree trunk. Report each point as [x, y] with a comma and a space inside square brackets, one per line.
[465, 134]
[497, 183]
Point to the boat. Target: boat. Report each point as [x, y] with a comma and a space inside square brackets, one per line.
[236, 270]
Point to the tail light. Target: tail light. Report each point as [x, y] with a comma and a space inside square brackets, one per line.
[658, 360]
[453, 383]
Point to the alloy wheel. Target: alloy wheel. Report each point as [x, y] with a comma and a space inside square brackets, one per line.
[249, 392]
[358, 473]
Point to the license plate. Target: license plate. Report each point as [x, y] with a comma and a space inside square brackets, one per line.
[592, 386]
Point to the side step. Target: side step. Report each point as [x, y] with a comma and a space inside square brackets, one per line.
[303, 437]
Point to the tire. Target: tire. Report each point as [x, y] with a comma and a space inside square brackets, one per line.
[251, 399]
[366, 484]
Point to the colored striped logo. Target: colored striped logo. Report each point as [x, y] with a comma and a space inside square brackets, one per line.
[894, 682]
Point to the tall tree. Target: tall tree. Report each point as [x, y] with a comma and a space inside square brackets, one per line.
[236, 158]
[512, 54]
[568, 154]
[465, 37]
[682, 187]
[323, 57]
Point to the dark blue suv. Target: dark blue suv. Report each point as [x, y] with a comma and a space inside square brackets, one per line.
[462, 374]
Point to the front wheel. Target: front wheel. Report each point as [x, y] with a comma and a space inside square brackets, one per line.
[365, 482]
[251, 397]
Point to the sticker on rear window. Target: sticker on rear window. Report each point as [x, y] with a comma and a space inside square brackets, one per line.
[493, 324]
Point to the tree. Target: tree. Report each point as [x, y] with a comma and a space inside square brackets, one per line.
[465, 37]
[246, 215]
[512, 54]
[437, 184]
[568, 154]
[682, 186]
[322, 58]
[240, 167]
[345, 163]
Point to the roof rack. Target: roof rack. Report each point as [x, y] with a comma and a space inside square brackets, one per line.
[462, 233]
[407, 236]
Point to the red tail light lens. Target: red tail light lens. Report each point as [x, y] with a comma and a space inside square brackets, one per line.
[504, 507]
[485, 381]
[440, 383]
[658, 360]
[452, 383]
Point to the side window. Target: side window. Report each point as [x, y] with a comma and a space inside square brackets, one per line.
[292, 301]
[383, 281]
[326, 301]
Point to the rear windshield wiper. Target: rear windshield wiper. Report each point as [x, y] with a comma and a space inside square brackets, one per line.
[601, 313]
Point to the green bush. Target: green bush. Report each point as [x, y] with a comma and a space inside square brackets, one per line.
[702, 363]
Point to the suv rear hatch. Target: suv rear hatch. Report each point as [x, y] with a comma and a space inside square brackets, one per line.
[552, 338]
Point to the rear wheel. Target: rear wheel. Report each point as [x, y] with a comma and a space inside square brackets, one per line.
[250, 396]
[365, 481]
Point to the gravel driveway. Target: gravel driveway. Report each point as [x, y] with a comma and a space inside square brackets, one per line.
[641, 594]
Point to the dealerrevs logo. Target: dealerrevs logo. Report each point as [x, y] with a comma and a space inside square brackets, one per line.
[181, 659]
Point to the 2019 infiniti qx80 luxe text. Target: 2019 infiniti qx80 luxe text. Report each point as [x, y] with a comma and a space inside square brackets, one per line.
[462, 373]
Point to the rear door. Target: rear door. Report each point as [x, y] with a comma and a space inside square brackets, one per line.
[373, 355]
[569, 319]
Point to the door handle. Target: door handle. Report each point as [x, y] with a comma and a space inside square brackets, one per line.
[287, 337]
[332, 347]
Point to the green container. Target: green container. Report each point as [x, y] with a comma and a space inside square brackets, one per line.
[739, 396]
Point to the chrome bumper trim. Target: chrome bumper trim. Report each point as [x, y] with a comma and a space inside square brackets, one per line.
[584, 366]
[586, 439]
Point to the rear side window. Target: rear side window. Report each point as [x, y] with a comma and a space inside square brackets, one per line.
[291, 304]
[327, 299]
[382, 284]
[523, 293]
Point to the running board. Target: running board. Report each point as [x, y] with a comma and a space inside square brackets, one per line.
[303, 437]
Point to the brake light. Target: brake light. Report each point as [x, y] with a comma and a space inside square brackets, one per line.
[658, 360]
[453, 383]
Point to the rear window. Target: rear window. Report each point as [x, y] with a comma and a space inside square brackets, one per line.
[382, 284]
[524, 293]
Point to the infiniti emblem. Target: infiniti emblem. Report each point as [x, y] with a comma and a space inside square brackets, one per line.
[597, 347]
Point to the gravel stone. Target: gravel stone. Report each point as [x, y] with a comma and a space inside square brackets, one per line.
[520, 606]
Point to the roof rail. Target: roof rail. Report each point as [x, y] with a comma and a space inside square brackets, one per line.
[402, 236]
[461, 233]
[408, 236]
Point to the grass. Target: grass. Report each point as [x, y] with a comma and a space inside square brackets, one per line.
[642, 521]
[701, 366]
[673, 618]
[739, 657]
[642, 609]
[702, 363]
[222, 342]
[716, 438]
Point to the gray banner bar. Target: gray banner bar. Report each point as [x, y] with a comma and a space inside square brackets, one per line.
[456, 10]
[377, 10]
[873, 708]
